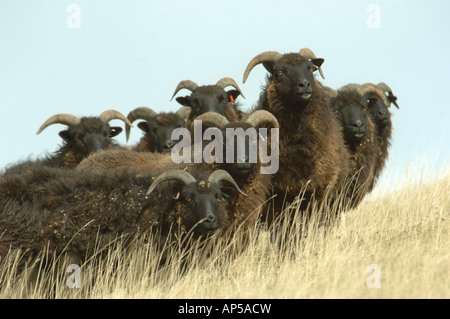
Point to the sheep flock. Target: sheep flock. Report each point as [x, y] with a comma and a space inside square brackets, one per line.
[315, 146]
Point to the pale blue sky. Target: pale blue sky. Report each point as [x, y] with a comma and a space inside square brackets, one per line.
[134, 53]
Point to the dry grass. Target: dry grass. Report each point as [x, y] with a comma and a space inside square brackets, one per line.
[405, 233]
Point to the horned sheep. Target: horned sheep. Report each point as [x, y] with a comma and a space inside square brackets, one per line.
[60, 210]
[210, 98]
[82, 137]
[360, 138]
[313, 156]
[157, 128]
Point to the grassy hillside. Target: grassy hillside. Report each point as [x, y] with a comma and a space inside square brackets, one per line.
[405, 234]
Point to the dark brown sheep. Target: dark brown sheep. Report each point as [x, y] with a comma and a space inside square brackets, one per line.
[378, 98]
[245, 211]
[82, 137]
[157, 128]
[313, 156]
[62, 210]
[210, 98]
[381, 116]
[359, 135]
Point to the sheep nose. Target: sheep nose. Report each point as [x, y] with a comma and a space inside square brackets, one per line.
[169, 145]
[357, 124]
[382, 113]
[304, 84]
[210, 220]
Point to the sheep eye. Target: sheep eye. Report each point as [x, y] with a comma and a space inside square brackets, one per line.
[279, 73]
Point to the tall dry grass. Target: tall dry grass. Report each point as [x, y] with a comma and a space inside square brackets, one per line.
[404, 232]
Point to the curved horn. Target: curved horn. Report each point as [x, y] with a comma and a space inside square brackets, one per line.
[268, 56]
[183, 112]
[392, 98]
[372, 88]
[171, 175]
[260, 117]
[224, 82]
[186, 84]
[62, 118]
[139, 113]
[212, 119]
[113, 115]
[308, 53]
[222, 175]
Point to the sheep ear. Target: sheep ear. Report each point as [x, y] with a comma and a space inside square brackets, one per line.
[317, 62]
[144, 127]
[269, 66]
[227, 190]
[233, 95]
[115, 130]
[392, 99]
[185, 101]
[65, 135]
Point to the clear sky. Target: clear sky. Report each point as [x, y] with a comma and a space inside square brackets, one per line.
[103, 54]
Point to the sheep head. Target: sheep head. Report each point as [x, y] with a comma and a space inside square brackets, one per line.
[208, 98]
[242, 165]
[292, 73]
[87, 134]
[377, 104]
[351, 110]
[157, 127]
[204, 199]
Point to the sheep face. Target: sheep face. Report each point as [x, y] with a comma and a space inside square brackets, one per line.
[200, 204]
[159, 131]
[209, 98]
[205, 206]
[294, 77]
[378, 110]
[296, 81]
[352, 113]
[354, 121]
[241, 166]
[90, 135]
